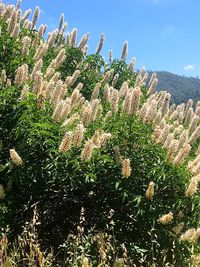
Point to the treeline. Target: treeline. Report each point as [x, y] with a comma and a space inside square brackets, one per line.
[181, 88]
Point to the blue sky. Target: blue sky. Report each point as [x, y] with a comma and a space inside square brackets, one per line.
[162, 34]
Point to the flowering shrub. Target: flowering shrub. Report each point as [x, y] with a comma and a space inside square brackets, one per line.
[79, 133]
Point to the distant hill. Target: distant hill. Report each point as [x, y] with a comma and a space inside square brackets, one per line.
[181, 88]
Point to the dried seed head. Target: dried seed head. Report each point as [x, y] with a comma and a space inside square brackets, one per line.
[16, 159]
[85, 262]
[150, 191]
[178, 228]
[3, 76]
[2, 192]
[126, 168]
[191, 235]
[166, 218]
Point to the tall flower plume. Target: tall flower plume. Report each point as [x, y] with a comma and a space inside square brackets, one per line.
[86, 115]
[26, 42]
[16, 159]
[182, 154]
[35, 17]
[2, 192]
[126, 168]
[66, 142]
[150, 191]
[195, 135]
[86, 153]
[193, 186]
[100, 45]
[135, 100]
[166, 218]
[124, 51]
[78, 135]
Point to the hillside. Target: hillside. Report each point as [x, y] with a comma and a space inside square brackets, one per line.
[181, 88]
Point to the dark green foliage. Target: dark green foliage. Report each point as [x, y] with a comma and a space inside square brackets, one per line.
[120, 67]
[60, 184]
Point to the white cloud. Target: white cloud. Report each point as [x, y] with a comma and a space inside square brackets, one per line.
[189, 67]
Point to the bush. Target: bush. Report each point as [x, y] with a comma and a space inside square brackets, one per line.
[120, 166]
